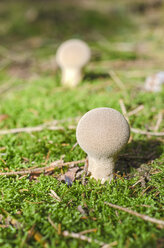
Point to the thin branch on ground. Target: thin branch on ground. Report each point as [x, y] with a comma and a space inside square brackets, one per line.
[144, 205]
[52, 128]
[85, 172]
[134, 130]
[123, 109]
[52, 125]
[142, 216]
[143, 192]
[136, 110]
[56, 164]
[73, 147]
[83, 237]
[159, 120]
[89, 240]
[117, 80]
[139, 181]
[29, 129]
[88, 231]
[52, 223]
[144, 132]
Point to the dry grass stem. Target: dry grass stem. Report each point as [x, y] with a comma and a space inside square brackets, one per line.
[54, 195]
[85, 172]
[135, 111]
[139, 181]
[144, 205]
[123, 109]
[29, 129]
[73, 147]
[52, 125]
[56, 164]
[88, 231]
[142, 216]
[159, 120]
[52, 223]
[144, 132]
[117, 80]
[89, 240]
[143, 192]
[134, 130]
[81, 236]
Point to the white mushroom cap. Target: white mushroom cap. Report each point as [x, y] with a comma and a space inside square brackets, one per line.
[71, 56]
[73, 53]
[102, 133]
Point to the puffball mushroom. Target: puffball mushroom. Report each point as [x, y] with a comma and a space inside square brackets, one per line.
[102, 133]
[71, 57]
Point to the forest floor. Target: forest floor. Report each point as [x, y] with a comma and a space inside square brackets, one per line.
[59, 205]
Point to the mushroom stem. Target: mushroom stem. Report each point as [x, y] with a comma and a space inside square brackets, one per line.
[71, 76]
[101, 168]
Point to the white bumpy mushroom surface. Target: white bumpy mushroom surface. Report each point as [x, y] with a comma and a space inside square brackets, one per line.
[71, 56]
[102, 133]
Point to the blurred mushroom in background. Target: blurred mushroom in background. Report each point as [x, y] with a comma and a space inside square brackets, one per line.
[71, 57]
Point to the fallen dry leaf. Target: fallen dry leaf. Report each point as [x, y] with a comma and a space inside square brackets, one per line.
[69, 176]
[3, 117]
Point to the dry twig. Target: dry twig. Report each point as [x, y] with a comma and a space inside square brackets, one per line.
[139, 181]
[73, 147]
[29, 129]
[143, 192]
[85, 171]
[117, 80]
[134, 130]
[88, 231]
[89, 240]
[81, 236]
[52, 223]
[135, 111]
[159, 120]
[52, 125]
[142, 216]
[123, 109]
[144, 132]
[56, 164]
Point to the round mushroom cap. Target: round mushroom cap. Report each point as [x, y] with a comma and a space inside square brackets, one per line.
[73, 53]
[102, 132]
